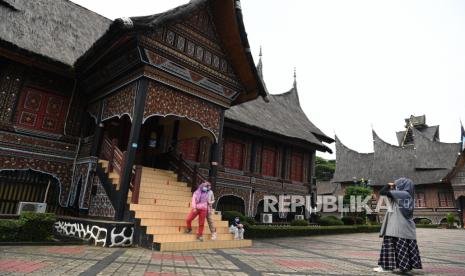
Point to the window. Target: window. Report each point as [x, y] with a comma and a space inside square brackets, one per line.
[269, 162]
[189, 149]
[420, 200]
[296, 166]
[446, 199]
[233, 155]
[41, 111]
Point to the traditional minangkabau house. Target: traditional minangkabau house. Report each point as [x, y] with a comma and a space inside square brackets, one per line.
[89, 107]
[419, 156]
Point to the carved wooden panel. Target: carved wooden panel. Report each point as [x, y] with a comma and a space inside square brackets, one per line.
[10, 84]
[41, 111]
[120, 102]
[163, 101]
[60, 170]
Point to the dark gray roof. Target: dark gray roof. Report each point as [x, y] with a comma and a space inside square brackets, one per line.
[282, 115]
[327, 187]
[351, 164]
[425, 162]
[431, 132]
[434, 155]
[59, 30]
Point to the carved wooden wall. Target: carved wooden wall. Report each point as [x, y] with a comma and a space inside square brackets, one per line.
[163, 101]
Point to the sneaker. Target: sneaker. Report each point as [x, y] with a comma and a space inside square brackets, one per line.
[380, 269]
[213, 236]
[188, 230]
[200, 238]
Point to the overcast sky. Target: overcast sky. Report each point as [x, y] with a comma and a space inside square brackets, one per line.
[360, 64]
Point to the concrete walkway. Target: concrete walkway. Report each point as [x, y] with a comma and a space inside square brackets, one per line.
[442, 252]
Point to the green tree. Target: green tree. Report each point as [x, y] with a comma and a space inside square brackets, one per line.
[355, 191]
[324, 169]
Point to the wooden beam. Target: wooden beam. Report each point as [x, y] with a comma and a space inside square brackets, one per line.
[142, 87]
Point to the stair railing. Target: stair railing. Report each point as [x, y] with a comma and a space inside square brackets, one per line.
[184, 170]
[116, 160]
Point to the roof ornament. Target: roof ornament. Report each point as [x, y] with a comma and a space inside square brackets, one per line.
[260, 64]
[126, 22]
[295, 79]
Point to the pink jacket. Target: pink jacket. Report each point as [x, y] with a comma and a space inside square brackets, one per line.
[200, 198]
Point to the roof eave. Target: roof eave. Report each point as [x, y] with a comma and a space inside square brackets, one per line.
[227, 17]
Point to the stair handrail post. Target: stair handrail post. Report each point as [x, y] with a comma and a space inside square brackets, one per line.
[136, 184]
[121, 168]
[194, 177]
[111, 158]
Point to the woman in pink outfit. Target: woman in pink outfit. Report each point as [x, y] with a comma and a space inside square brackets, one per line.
[199, 208]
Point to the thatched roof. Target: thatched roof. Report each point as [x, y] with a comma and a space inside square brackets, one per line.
[58, 30]
[426, 162]
[282, 115]
[351, 164]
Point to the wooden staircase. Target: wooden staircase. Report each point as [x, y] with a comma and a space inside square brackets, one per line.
[162, 207]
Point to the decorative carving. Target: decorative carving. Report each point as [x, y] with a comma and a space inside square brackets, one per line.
[120, 102]
[100, 204]
[37, 145]
[163, 101]
[41, 111]
[60, 170]
[10, 83]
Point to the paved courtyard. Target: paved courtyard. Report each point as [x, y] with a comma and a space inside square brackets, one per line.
[442, 252]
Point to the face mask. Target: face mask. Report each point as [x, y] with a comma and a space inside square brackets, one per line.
[237, 220]
[204, 189]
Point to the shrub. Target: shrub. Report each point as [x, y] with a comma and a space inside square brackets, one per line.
[36, 226]
[231, 215]
[424, 221]
[270, 231]
[428, 225]
[299, 222]
[450, 218]
[348, 220]
[9, 229]
[330, 220]
[359, 220]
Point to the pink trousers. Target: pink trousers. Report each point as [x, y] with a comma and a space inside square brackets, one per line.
[192, 215]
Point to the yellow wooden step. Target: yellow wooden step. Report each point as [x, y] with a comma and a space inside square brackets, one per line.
[150, 209]
[182, 197]
[165, 192]
[164, 215]
[148, 170]
[153, 185]
[159, 177]
[164, 202]
[182, 237]
[176, 222]
[197, 245]
[155, 230]
[163, 183]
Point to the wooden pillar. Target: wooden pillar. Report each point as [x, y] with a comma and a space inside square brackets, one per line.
[141, 94]
[216, 154]
[253, 156]
[174, 137]
[312, 177]
[94, 151]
